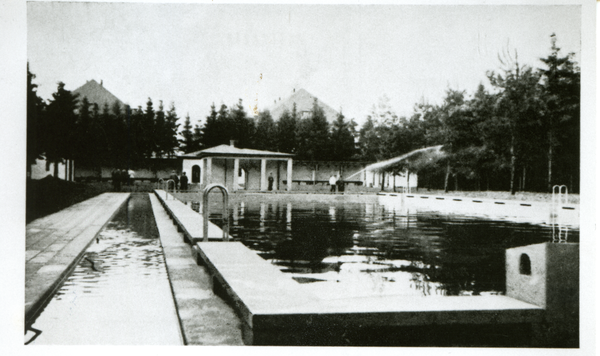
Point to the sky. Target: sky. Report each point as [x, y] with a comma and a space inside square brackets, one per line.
[349, 56]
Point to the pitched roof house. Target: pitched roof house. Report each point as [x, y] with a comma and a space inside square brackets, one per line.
[96, 93]
[304, 103]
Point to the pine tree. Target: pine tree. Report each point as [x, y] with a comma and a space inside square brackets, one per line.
[266, 132]
[242, 127]
[342, 139]
[187, 143]
[286, 131]
[146, 137]
[159, 133]
[60, 128]
[170, 142]
[35, 122]
[561, 115]
[313, 136]
[213, 128]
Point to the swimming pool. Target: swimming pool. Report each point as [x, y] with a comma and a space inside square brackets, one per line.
[363, 249]
[119, 293]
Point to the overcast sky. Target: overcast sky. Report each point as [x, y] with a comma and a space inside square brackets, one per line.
[347, 55]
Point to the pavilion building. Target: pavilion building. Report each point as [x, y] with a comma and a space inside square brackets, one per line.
[238, 168]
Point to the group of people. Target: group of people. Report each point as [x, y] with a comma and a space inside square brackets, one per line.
[120, 177]
[181, 183]
[337, 185]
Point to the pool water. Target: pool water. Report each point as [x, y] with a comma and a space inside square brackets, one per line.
[119, 293]
[366, 249]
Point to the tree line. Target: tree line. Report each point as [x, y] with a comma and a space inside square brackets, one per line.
[523, 134]
[69, 127]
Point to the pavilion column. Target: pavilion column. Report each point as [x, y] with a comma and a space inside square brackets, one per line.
[208, 171]
[289, 175]
[236, 170]
[263, 174]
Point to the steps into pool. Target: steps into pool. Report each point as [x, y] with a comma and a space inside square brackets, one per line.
[188, 221]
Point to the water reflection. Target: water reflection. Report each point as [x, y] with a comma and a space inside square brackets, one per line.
[370, 248]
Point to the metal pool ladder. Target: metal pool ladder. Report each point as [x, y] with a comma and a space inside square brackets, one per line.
[225, 213]
[560, 197]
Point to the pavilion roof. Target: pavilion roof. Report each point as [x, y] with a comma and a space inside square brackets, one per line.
[231, 151]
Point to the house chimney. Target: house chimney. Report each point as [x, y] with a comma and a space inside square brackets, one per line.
[100, 82]
[232, 143]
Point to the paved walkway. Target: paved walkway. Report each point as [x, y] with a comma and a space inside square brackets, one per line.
[55, 243]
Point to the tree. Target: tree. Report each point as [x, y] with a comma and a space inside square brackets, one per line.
[266, 132]
[169, 139]
[35, 121]
[342, 139]
[286, 131]
[240, 127]
[517, 103]
[60, 129]
[146, 134]
[313, 136]
[159, 132]
[219, 127]
[561, 113]
[369, 141]
[188, 143]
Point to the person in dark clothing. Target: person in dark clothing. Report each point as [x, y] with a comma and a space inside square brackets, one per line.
[340, 184]
[116, 181]
[270, 179]
[183, 182]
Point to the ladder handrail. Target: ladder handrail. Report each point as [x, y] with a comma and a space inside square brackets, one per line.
[225, 212]
[167, 186]
[558, 197]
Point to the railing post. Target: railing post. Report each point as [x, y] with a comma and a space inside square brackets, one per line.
[225, 212]
[167, 188]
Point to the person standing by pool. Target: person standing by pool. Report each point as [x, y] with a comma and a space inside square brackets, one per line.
[270, 179]
[184, 181]
[332, 183]
[340, 184]
[175, 179]
[116, 180]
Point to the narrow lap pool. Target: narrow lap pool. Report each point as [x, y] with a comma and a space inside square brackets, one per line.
[119, 293]
[366, 249]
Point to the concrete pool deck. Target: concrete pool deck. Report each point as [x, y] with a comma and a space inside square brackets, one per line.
[536, 212]
[205, 319]
[55, 243]
[269, 300]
